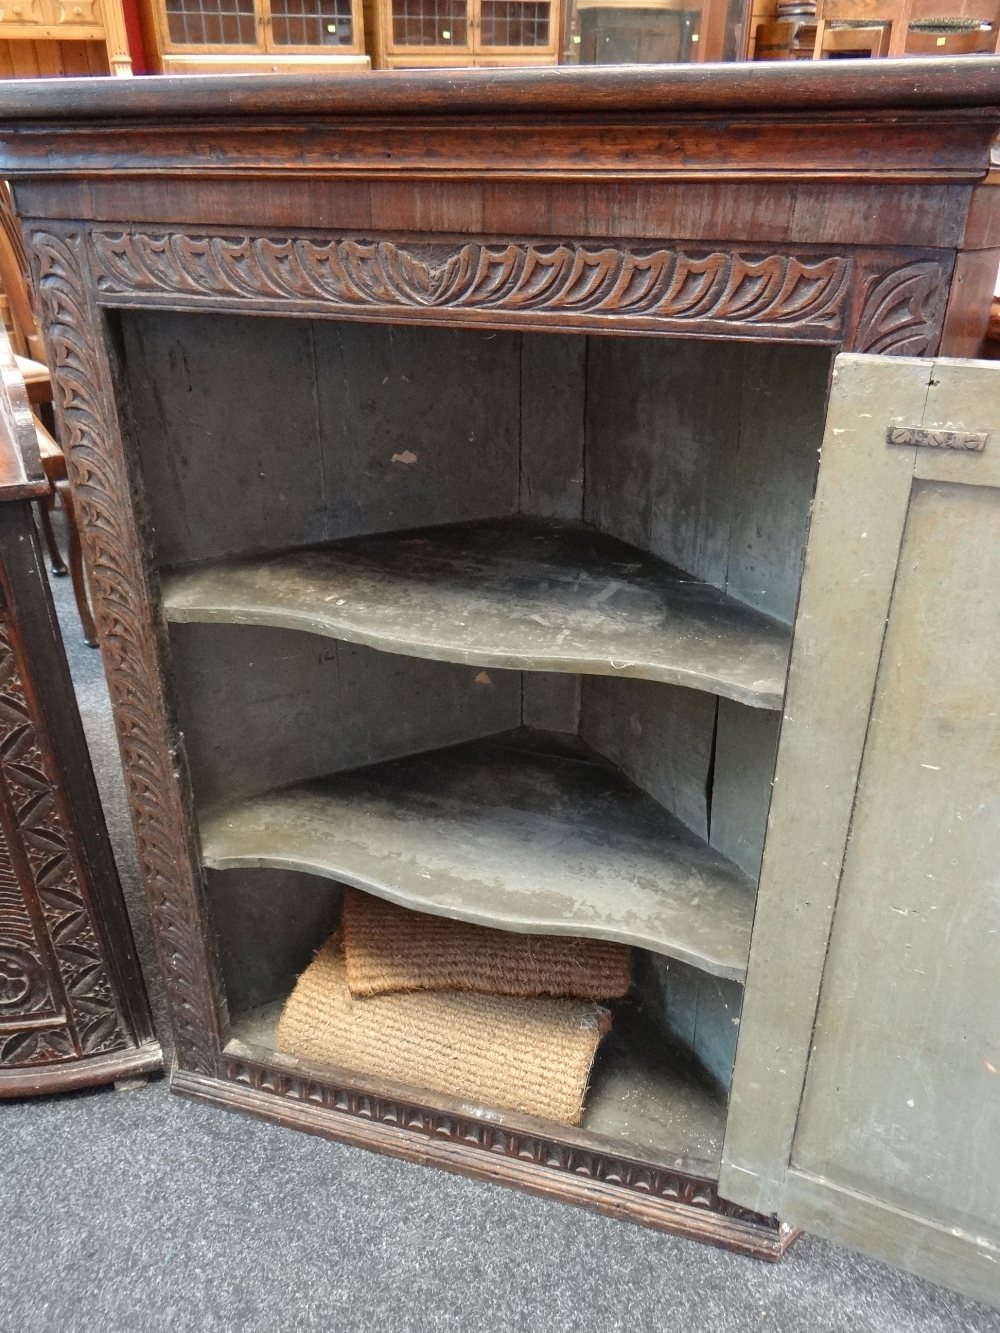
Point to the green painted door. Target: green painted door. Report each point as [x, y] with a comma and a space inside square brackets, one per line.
[866, 1097]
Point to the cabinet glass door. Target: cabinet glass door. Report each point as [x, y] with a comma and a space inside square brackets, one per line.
[515, 25]
[211, 23]
[310, 24]
[865, 1099]
[652, 32]
[422, 25]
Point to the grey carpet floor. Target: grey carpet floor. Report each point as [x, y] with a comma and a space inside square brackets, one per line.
[143, 1211]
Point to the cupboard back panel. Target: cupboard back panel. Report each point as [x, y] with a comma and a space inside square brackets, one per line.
[285, 433]
[260, 706]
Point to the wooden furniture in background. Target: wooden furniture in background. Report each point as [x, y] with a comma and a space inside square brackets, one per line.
[73, 1008]
[26, 339]
[846, 28]
[413, 34]
[48, 38]
[620, 32]
[254, 36]
[572, 660]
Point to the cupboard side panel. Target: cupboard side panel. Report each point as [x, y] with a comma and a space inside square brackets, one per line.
[662, 435]
[225, 428]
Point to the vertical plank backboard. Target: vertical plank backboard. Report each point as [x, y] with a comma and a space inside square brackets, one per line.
[892, 1142]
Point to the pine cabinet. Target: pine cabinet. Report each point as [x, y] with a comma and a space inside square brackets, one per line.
[483, 514]
[47, 38]
[415, 33]
[215, 36]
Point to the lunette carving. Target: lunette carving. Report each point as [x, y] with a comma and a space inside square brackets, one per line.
[124, 616]
[517, 277]
[901, 310]
[41, 833]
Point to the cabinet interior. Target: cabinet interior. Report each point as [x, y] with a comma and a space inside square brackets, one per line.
[517, 604]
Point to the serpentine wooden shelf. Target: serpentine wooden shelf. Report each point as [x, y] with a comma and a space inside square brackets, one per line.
[527, 594]
[507, 836]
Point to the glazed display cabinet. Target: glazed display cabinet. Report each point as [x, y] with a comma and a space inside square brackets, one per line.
[410, 34]
[479, 515]
[255, 36]
[650, 32]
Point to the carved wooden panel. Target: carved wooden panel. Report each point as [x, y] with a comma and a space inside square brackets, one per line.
[650, 1193]
[126, 626]
[878, 305]
[83, 1016]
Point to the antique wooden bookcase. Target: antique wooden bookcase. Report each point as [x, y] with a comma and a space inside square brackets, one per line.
[469, 430]
[414, 34]
[254, 36]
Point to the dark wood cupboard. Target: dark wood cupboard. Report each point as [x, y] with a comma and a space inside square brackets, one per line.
[447, 452]
[73, 1009]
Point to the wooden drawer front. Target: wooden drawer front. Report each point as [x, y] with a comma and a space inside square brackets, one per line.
[21, 12]
[77, 12]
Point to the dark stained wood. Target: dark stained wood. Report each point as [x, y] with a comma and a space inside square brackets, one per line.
[73, 1009]
[750, 88]
[21, 472]
[825, 205]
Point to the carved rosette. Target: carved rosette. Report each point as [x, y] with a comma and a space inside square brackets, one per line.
[569, 280]
[126, 627]
[40, 830]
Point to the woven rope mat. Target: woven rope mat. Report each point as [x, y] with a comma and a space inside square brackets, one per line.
[515, 1054]
[390, 948]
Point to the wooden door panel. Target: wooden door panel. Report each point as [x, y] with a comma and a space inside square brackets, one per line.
[894, 1145]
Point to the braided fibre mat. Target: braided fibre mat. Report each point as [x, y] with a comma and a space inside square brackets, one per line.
[515, 1054]
[390, 948]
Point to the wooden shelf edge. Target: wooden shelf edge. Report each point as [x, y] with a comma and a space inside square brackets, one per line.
[510, 867]
[434, 593]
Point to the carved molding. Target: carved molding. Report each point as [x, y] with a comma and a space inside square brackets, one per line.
[125, 620]
[41, 833]
[650, 1182]
[572, 280]
[901, 310]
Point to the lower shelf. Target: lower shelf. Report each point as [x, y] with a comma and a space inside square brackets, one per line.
[508, 835]
[646, 1097]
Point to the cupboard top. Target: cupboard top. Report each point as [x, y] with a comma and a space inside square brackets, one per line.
[755, 89]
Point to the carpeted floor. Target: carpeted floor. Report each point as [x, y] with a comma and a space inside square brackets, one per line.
[140, 1211]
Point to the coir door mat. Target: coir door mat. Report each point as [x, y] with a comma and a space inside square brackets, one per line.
[504, 1051]
[390, 948]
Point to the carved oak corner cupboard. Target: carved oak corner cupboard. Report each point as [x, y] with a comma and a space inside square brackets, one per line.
[73, 1008]
[447, 450]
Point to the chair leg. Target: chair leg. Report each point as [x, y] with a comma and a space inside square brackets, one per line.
[42, 509]
[76, 571]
